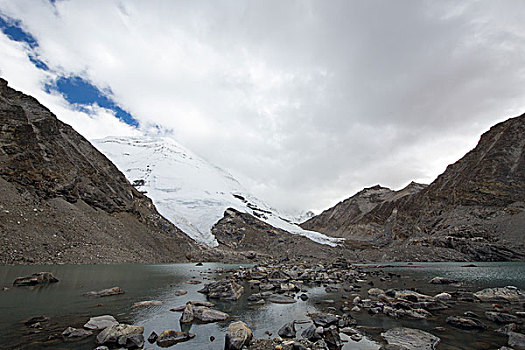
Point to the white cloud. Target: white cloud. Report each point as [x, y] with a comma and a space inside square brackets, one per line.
[306, 102]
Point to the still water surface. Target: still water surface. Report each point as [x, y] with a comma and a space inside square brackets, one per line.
[65, 304]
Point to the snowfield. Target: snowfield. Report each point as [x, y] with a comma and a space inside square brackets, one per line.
[187, 190]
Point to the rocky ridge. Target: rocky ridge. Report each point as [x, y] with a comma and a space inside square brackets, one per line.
[62, 201]
[475, 209]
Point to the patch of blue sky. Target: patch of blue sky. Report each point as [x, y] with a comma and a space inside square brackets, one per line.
[81, 92]
[75, 89]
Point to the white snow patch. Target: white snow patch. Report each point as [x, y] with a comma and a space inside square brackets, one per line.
[189, 191]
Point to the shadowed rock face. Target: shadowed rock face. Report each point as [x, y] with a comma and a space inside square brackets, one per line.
[475, 208]
[62, 200]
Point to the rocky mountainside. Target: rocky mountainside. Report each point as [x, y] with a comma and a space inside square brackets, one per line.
[61, 200]
[343, 219]
[475, 210]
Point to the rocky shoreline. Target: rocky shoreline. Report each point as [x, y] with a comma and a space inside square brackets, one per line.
[353, 296]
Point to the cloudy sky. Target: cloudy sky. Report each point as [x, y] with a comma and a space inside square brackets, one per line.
[305, 102]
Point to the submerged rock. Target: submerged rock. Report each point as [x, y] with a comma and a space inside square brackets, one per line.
[223, 290]
[105, 292]
[34, 279]
[36, 319]
[237, 336]
[281, 299]
[100, 322]
[410, 338]
[171, 337]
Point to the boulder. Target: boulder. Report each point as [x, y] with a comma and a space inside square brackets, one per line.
[237, 336]
[500, 317]
[443, 296]
[171, 337]
[442, 280]
[516, 340]
[153, 337]
[100, 322]
[412, 296]
[34, 279]
[131, 341]
[113, 333]
[465, 322]
[205, 314]
[71, 332]
[187, 314]
[223, 290]
[410, 339]
[311, 333]
[105, 292]
[324, 320]
[375, 292]
[287, 331]
[146, 303]
[508, 294]
[332, 339]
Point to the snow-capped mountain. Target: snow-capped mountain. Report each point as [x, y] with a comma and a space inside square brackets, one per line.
[187, 190]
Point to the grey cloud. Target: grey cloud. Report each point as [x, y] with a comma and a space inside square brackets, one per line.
[306, 101]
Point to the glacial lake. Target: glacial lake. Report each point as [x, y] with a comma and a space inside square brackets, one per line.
[65, 304]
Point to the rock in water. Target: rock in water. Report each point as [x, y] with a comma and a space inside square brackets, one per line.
[465, 322]
[516, 340]
[34, 279]
[281, 299]
[324, 320]
[187, 314]
[71, 332]
[147, 303]
[332, 338]
[106, 292]
[205, 314]
[100, 322]
[287, 331]
[153, 337]
[113, 333]
[411, 339]
[500, 317]
[442, 280]
[237, 336]
[132, 341]
[223, 290]
[170, 337]
[509, 294]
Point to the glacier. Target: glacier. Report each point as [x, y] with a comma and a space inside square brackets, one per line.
[189, 191]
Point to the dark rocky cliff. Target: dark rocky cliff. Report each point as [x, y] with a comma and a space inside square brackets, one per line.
[63, 201]
[475, 210]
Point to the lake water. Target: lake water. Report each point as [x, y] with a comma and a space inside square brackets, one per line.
[65, 304]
